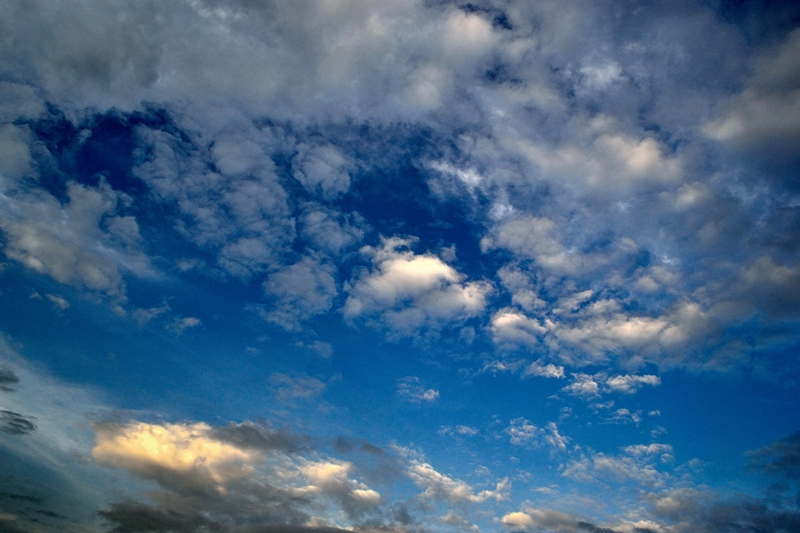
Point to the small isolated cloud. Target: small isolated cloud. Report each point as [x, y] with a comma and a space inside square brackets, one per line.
[411, 292]
[58, 301]
[411, 388]
[179, 325]
[462, 431]
[322, 349]
[288, 388]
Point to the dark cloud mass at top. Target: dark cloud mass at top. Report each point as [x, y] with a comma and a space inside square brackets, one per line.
[470, 266]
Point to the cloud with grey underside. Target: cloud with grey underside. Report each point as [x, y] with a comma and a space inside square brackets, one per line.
[232, 478]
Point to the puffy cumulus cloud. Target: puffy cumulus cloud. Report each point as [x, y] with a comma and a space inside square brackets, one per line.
[332, 479]
[510, 327]
[151, 450]
[226, 478]
[442, 488]
[301, 290]
[410, 292]
[583, 386]
[226, 191]
[83, 242]
[411, 388]
[546, 371]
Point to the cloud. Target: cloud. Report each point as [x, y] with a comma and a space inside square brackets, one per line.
[522, 433]
[440, 487]
[16, 424]
[322, 168]
[510, 327]
[781, 458]
[459, 430]
[762, 120]
[7, 377]
[227, 194]
[630, 384]
[287, 388]
[411, 292]
[410, 387]
[214, 476]
[637, 464]
[546, 371]
[84, 243]
[301, 290]
[179, 325]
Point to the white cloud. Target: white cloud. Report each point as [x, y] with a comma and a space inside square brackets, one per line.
[440, 487]
[510, 327]
[83, 243]
[522, 433]
[459, 430]
[301, 290]
[583, 386]
[629, 384]
[323, 169]
[410, 387]
[240, 213]
[547, 371]
[330, 231]
[597, 466]
[411, 292]
[541, 519]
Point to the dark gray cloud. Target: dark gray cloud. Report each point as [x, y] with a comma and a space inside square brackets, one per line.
[7, 377]
[781, 458]
[15, 423]
[250, 435]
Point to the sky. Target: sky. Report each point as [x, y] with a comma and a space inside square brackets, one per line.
[399, 266]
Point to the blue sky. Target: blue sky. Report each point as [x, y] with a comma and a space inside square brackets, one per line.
[403, 267]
